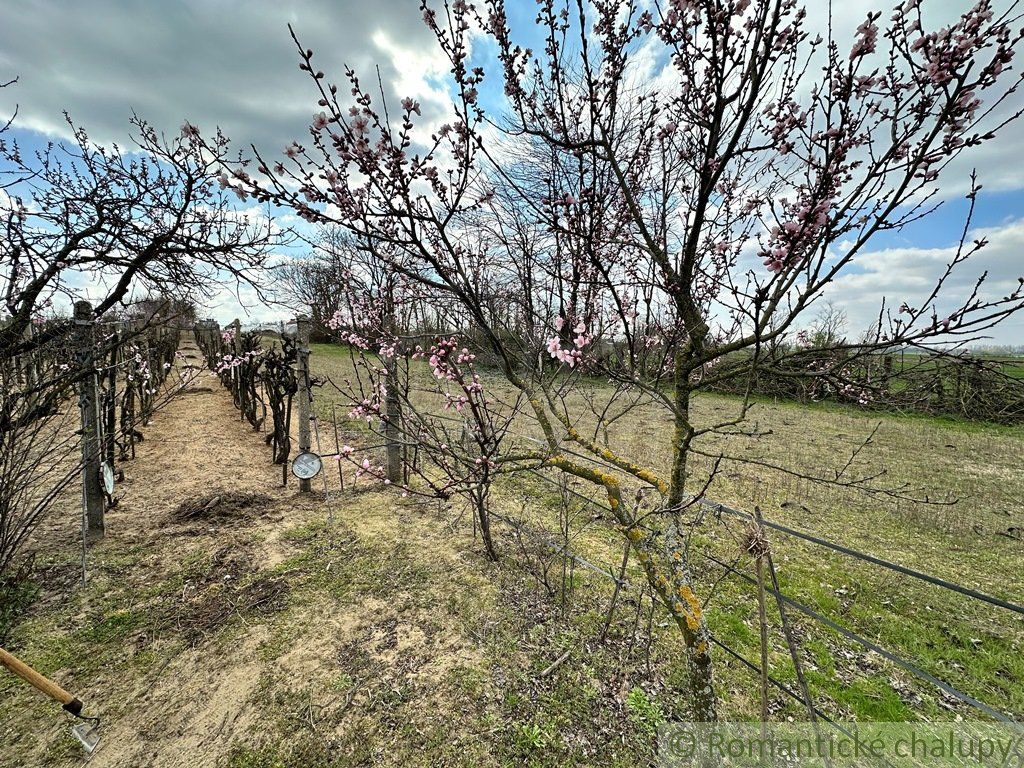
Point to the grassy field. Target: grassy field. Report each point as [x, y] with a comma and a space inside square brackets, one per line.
[971, 538]
[369, 629]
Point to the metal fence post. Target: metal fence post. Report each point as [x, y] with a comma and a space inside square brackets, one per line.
[92, 484]
[302, 350]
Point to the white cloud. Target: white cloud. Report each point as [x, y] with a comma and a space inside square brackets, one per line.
[231, 63]
[421, 73]
[908, 274]
[229, 302]
[228, 63]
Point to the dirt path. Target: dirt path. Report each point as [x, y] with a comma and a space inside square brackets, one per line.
[195, 697]
[195, 448]
[212, 640]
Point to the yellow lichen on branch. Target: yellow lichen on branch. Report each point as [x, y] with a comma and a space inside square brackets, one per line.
[614, 459]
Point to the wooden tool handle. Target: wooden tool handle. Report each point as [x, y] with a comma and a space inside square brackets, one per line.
[44, 684]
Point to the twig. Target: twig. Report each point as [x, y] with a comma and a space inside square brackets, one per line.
[554, 665]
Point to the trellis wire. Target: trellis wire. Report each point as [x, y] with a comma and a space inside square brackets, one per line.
[967, 591]
[935, 580]
[849, 634]
[897, 660]
[815, 615]
[719, 507]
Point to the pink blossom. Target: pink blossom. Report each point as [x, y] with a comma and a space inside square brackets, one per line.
[867, 39]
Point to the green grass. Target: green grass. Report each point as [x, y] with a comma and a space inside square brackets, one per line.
[399, 644]
[16, 596]
[973, 466]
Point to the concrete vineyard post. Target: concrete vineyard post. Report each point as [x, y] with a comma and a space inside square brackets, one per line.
[236, 382]
[302, 351]
[92, 485]
[110, 404]
[392, 429]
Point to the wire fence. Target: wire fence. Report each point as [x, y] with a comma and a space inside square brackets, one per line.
[719, 512]
[816, 616]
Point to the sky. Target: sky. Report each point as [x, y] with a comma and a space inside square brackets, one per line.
[232, 64]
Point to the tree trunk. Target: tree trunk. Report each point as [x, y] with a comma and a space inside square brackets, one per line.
[480, 498]
[392, 422]
[689, 616]
[684, 604]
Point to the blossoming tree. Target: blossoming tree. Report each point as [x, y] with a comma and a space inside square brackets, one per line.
[151, 219]
[659, 225]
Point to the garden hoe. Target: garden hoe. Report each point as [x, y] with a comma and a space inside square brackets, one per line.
[86, 731]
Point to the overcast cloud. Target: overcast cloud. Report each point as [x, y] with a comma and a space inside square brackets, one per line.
[232, 64]
[214, 62]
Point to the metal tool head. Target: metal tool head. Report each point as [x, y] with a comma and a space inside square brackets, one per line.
[88, 733]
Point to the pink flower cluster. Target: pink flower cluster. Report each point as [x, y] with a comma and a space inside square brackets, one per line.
[867, 38]
[451, 364]
[444, 359]
[338, 321]
[367, 409]
[789, 241]
[365, 468]
[229, 361]
[569, 356]
[861, 395]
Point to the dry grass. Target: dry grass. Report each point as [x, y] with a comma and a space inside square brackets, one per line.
[968, 538]
[370, 630]
[220, 504]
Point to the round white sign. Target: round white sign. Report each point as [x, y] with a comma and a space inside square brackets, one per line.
[307, 465]
[107, 475]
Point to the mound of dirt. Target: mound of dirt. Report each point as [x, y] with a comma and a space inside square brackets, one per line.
[228, 585]
[213, 606]
[221, 504]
